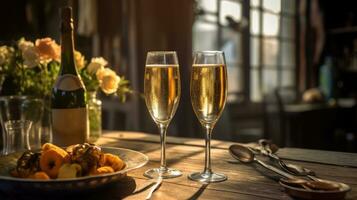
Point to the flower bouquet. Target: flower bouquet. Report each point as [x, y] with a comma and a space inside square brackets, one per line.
[31, 68]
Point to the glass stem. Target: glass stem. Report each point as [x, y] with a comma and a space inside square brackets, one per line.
[207, 169]
[163, 129]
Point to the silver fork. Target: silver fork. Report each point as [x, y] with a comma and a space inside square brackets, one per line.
[291, 168]
[154, 188]
[144, 187]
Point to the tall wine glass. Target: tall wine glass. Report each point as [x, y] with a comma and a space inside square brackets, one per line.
[162, 91]
[208, 97]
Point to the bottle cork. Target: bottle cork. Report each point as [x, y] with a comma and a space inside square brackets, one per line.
[66, 19]
[66, 13]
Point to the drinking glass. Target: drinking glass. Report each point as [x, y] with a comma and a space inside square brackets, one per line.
[17, 135]
[22, 108]
[208, 90]
[162, 92]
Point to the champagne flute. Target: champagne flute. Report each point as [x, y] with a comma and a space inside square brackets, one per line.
[208, 97]
[162, 91]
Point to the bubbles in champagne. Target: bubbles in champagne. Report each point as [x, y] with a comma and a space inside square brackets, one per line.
[208, 91]
[162, 91]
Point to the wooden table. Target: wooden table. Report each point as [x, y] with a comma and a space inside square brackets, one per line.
[244, 181]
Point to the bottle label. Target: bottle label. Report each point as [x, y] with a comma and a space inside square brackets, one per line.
[68, 82]
[70, 126]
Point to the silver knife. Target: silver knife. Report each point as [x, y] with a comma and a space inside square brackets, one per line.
[154, 187]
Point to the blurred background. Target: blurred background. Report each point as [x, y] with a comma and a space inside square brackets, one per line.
[292, 64]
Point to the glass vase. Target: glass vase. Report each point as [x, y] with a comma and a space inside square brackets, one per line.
[95, 116]
[20, 109]
[46, 122]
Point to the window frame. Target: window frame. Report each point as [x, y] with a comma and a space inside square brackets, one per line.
[244, 96]
[280, 68]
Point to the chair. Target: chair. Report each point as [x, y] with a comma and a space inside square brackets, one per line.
[285, 96]
[274, 113]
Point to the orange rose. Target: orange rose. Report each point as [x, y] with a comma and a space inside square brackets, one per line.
[108, 80]
[79, 60]
[48, 49]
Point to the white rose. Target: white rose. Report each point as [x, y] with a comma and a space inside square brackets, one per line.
[24, 44]
[96, 64]
[31, 57]
[3, 54]
[108, 80]
[29, 53]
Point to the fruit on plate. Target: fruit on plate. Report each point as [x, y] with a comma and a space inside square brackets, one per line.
[48, 146]
[70, 171]
[51, 161]
[111, 160]
[104, 170]
[87, 156]
[27, 164]
[40, 175]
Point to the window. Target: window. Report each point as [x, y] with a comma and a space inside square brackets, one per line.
[212, 30]
[272, 56]
[219, 25]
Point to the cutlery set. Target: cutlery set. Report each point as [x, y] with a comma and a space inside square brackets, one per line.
[297, 180]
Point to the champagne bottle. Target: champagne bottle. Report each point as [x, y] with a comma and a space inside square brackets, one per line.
[68, 100]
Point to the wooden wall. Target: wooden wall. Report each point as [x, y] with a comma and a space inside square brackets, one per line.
[164, 25]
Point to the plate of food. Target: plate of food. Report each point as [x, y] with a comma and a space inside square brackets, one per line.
[80, 166]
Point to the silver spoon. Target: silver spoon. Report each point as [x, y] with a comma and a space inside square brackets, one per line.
[245, 155]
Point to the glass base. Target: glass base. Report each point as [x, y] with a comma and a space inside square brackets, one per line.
[164, 173]
[207, 177]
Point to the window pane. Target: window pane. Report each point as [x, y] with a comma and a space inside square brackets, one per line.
[288, 54]
[254, 51]
[270, 24]
[288, 27]
[254, 3]
[273, 5]
[255, 91]
[235, 81]
[209, 18]
[209, 5]
[232, 47]
[270, 52]
[232, 9]
[233, 55]
[204, 26]
[288, 6]
[203, 32]
[270, 80]
[255, 21]
[288, 78]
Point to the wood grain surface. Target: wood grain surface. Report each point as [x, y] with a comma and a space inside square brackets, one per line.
[244, 181]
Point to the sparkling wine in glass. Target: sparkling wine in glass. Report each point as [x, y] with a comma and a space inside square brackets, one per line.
[208, 97]
[162, 91]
